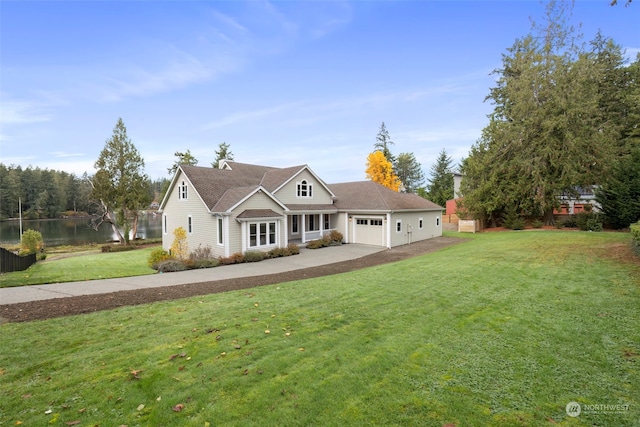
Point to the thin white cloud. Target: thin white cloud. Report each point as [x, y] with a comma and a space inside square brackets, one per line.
[23, 112]
[62, 154]
[137, 81]
[244, 116]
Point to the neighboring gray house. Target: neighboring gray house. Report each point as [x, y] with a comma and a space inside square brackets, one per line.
[241, 207]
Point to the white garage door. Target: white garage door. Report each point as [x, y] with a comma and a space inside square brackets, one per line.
[369, 231]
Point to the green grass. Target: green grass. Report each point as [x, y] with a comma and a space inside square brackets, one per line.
[95, 265]
[505, 329]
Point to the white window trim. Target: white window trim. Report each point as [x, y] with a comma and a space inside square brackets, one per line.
[183, 191]
[420, 223]
[437, 221]
[295, 224]
[398, 223]
[267, 244]
[165, 229]
[220, 239]
[308, 187]
[190, 224]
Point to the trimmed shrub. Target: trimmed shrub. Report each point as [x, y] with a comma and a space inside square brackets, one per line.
[253, 256]
[293, 249]
[277, 253]
[157, 256]
[236, 258]
[31, 241]
[537, 223]
[204, 263]
[335, 237]
[317, 244]
[171, 266]
[635, 238]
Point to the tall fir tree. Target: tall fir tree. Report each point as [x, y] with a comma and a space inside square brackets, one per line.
[409, 171]
[440, 186]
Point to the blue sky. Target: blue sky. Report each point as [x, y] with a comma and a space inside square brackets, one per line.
[284, 83]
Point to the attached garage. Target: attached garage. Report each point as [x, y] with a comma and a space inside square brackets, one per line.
[369, 230]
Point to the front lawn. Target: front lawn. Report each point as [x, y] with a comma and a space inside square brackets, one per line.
[78, 267]
[506, 329]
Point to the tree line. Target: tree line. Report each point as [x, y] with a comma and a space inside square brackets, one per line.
[47, 193]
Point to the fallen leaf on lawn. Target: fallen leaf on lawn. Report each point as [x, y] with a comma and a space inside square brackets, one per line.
[173, 356]
[273, 315]
[81, 410]
[237, 347]
[254, 319]
[140, 407]
[48, 411]
[18, 423]
[245, 372]
[287, 334]
[159, 398]
[26, 396]
[135, 373]
[179, 407]
[301, 349]
[267, 331]
[72, 423]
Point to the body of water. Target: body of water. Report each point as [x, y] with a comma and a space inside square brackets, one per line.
[57, 232]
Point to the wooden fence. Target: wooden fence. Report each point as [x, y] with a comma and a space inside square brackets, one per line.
[11, 262]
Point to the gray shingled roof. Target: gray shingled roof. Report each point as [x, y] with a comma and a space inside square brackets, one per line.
[369, 195]
[221, 189]
[259, 213]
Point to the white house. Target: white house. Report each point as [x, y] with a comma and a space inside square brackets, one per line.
[241, 207]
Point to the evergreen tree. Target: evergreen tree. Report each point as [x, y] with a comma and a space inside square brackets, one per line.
[185, 158]
[222, 153]
[547, 134]
[440, 187]
[120, 184]
[409, 172]
[619, 195]
[383, 140]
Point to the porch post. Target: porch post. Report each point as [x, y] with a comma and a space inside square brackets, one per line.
[303, 228]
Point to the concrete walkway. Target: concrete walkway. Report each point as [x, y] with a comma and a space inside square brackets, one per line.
[307, 258]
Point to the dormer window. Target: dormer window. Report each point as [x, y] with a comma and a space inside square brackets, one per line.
[182, 191]
[304, 189]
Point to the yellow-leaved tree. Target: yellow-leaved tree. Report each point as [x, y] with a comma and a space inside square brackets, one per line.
[380, 170]
[180, 247]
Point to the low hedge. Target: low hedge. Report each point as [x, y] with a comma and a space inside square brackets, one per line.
[635, 238]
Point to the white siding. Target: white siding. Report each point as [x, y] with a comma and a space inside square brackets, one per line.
[177, 213]
[257, 201]
[411, 231]
[288, 193]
